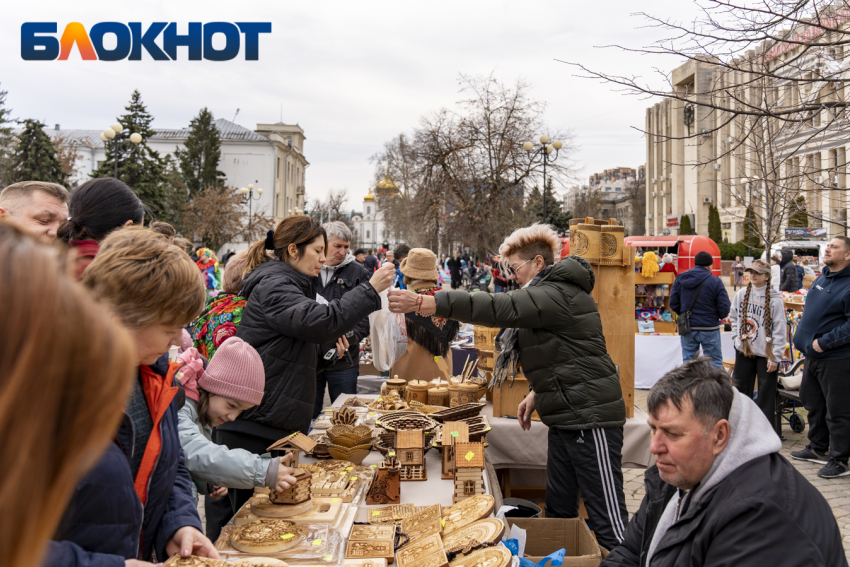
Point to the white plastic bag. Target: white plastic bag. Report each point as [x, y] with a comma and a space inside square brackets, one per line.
[388, 333]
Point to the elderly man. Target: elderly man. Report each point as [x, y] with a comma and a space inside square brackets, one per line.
[340, 274]
[35, 206]
[720, 493]
[823, 336]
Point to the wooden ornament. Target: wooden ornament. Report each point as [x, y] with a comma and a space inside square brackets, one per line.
[266, 536]
[466, 512]
[436, 559]
[429, 514]
[419, 550]
[468, 464]
[611, 245]
[297, 493]
[193, 561]
[370, 550]
[386, 487]
[438, 396]
[467, 393]
[397, 384]
[263, 507]
[362, 532]
[488, 557]
[295, 443]
[424, 530]
[417, 391]
[374, 562]
[258, 562]
[387, 514]
[587, 241]
[482, 531]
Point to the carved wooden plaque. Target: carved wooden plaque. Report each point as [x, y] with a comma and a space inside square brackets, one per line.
[419, 550]
[489, 557]
[424, 530]
[437, 559]
[482, 531]
[429, 514]
[361, 532]
[266, 536]
[193, 561]
[377, 562]
[369, 550]
[386, 487]
[467, 511]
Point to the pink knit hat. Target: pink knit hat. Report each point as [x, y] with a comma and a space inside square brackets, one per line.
[235, 371]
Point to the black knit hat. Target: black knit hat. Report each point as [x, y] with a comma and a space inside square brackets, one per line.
[703, 259]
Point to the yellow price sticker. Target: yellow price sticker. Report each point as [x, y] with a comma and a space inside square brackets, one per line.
[354, 477]
[455, 433]
[380, 399]
[469, 456]
[372, 413]
[442, 521]
[327, 558]
[317, 542]
[287, 536]
[335, 500]
[391, 454]
[374, 466]
[376, 513]
[349, 468]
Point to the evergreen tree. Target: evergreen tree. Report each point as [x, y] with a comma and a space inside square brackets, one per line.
[555, 215]
[138, 166]
[199, 160]
[715, 230]
[751, 237]
[35, 158]
[8, 141]
[685, 227]
[799, 217]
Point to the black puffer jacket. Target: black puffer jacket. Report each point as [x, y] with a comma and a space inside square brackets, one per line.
[562, 349]
[342, 280]
[285, 323]
[788, 273]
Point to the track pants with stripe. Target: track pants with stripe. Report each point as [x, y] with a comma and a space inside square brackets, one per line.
[589, 461]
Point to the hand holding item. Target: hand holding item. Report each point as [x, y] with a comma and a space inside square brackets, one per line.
[341, 345]
[383, 278]
[188, 541]
[524, 411]
[219, 492]
[284, 474]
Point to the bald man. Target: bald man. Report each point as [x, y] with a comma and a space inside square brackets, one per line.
[35, 206]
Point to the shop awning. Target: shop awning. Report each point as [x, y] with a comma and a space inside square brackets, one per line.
[650, 243]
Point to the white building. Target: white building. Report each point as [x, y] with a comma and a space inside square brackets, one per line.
[270, 158]
[369, 225]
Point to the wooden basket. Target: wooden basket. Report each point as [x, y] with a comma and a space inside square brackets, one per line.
[458, 413]
[487, 360]
[406, 420]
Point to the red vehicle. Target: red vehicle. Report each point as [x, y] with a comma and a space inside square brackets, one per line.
[685, 247]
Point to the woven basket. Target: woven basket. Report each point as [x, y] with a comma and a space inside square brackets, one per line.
[458, 413]
[406, 420]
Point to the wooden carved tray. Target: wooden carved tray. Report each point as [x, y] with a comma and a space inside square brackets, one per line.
[280, 535]
[419, 550]
[456, 413]
[406, 420]
[467, 511]
[488, 557]
[482, 531]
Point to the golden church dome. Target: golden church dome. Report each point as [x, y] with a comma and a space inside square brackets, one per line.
[386, 186]
[369, 197]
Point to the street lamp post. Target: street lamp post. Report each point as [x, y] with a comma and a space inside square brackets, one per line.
[111, 133]
[248, 194]
[545, 152]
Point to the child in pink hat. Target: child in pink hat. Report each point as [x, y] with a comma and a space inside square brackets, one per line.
[233, 382]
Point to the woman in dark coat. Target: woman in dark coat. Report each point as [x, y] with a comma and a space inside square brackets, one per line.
[285, 323]
[552, 328]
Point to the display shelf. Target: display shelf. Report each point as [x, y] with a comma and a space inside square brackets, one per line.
[660, 278]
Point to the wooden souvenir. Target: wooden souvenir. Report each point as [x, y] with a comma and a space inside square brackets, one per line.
[485, 337]
[320, 451]
[349, 436]
[467, 393]
[466, 512]
[258, 562]
[417, 391]
[429, 514]
[453, 431]
[332, 465]
[410, 447]
[266, 536]
[508, 396]
[354, 455]
[587, 239]
[354, 402]
[336, 484]
[458, 413]
[376, 562]
[438, 396]
[344, 416]
[370, 550]
[488, 557]
[297, 493]
[263, 507]
[386, 487]
[452, 388]
[468, 470]
[397, 384]
[193, 561]
[424, 530]
[295, 443]
[401, 420]
[611, 245]
[421, 549]
[393, 513]
[363, 532]
[482, 531]
[436, 559]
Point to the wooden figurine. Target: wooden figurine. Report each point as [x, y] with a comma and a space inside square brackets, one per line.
[386, 486]
[453, 432]
[410, 446]
[469, 470]
[294, 443]
[298, 492]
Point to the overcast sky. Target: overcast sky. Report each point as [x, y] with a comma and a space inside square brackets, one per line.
[353, 73]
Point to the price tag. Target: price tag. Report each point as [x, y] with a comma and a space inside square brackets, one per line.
[442, 521]
[380, 399]
[469, 456]
[391, 454]
[455, 433]
[349, 468]
[376, 512]
[354, 478]
[287, 536]
[335, 500]
[317, 542]
[372, 413]
[328, 558]
[374, 466]
[488, 429]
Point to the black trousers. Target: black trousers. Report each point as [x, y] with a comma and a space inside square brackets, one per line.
[825, 392]
[589, 461]
[746, 371]
[217, 512]
[257, 445]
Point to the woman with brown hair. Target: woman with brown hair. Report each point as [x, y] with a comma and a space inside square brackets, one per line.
[285, 322]
[57, 412]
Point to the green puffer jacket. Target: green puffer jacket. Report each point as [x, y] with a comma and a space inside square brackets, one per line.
[562, 349]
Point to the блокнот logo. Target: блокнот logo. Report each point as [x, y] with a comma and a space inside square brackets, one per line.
[37, 43]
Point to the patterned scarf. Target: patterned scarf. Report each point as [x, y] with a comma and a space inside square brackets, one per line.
[506, 341]
[432, 333]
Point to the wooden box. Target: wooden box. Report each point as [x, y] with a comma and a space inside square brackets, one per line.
[298, 492]
[485, 337]
[506, 399]
[487, 359]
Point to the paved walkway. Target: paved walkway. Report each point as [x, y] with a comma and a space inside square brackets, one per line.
[836, 491]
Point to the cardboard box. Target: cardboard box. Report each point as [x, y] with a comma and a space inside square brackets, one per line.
[548, 535]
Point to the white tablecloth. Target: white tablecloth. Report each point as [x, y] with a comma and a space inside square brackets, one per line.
[656, 355]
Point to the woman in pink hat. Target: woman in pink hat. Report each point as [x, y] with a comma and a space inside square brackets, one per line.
[231, 383]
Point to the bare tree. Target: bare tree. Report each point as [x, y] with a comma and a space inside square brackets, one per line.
[67, 154]
[215, 215]
[636, 190]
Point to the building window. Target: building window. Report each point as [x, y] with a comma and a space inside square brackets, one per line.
[410, 455]
[607, 188]
[468, 487]
[278, 168]
[367, 235]
[618, 189]
[368, 210]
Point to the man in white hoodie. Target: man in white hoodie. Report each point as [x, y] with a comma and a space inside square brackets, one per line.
[720, 493]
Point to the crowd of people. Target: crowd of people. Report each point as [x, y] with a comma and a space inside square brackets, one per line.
[112, 441]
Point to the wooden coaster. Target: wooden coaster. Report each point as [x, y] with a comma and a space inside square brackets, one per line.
[262, 506]
[419, 550]
[266, 536]
[489, 557]
[467, 511]
[482, 531]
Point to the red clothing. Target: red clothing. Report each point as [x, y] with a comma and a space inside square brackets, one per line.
[669, 268]
[86, 251]
[159, 392]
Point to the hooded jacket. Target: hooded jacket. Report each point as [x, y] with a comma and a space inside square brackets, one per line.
[711, 305]
[562, 348]
[285, 324]
[751, 508]
[753, 320]
[106, 521]
[788, 273]
[334, 282]
[827, 317]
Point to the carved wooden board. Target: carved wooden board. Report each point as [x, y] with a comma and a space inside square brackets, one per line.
[361, 532]
[384, 514]
[467, 511]
[489, 557]
[258, 562]
[386, 487]
[423, 531]
[437, 559]
[482, 531]
[378, 562]
[429, 514]
[266, 536]
[369, 550]
[419, 550]
[193, 561]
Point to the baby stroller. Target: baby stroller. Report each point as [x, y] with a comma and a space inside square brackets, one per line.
[788, 399]
[480, 281]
